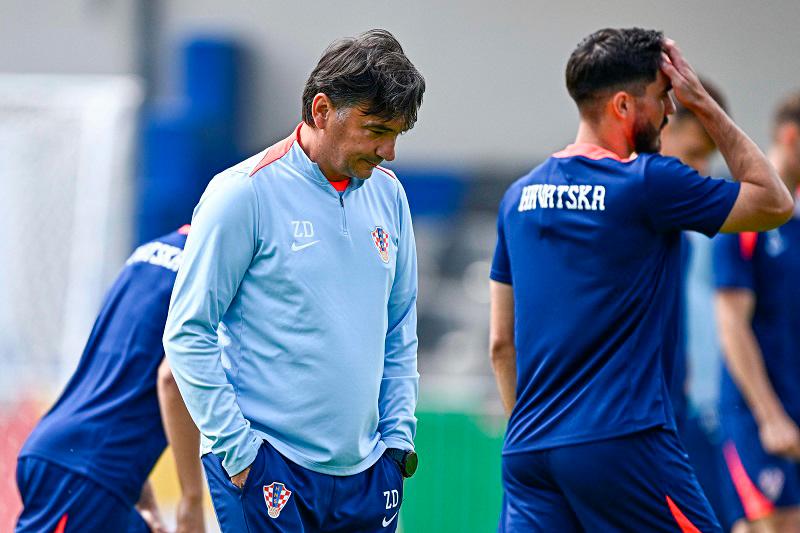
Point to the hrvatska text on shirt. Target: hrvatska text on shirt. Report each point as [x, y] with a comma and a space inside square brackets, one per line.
[574, 197]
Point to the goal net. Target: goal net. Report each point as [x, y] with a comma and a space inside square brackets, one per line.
[66, 169]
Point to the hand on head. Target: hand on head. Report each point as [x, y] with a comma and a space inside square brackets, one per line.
[685, 83]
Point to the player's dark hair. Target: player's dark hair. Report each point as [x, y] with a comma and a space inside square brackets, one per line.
[788, 111]
[370, 71]
[613, 59]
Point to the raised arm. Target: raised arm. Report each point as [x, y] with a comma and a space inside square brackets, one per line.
[502, 353]
[184, 440]
[764, 202]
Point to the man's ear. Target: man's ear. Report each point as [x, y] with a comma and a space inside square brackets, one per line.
[322, 110]
[622, 105]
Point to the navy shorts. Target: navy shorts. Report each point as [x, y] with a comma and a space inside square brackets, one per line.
[757, 481]
[701, 438]
[279, 495]
[58, 500]
[639, 482]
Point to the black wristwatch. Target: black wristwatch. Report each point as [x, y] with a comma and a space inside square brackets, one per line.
[406, 460]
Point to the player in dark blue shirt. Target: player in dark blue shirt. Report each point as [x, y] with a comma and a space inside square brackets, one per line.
[586, 279]
[758, 307]
[84, 468]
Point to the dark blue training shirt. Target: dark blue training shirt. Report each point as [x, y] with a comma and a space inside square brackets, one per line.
[591, 246]
[106, 424]
[768, 264]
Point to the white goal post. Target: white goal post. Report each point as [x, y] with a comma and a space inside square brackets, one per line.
[66, 201]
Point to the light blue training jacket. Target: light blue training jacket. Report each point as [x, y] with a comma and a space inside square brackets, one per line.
[293, 317]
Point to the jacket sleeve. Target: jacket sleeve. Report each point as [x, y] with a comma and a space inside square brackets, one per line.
[400, 384]
[218, 252]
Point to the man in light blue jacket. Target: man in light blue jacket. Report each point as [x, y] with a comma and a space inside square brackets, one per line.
[292, 326]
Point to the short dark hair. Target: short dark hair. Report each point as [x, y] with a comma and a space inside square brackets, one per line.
[713, 91]
[370, 71]
[788, 110]
[613, 59]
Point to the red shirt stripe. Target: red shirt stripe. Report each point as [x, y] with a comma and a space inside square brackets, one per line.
[278, 150]
[590, 151]
[386, 171]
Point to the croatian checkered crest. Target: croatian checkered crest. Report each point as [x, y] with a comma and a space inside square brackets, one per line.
[381, 240]
[276, 495]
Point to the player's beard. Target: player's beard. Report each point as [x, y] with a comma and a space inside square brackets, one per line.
[646, 138]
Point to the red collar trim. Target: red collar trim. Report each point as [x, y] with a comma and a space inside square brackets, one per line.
[278, 150]
[590, 151]
[340, 185]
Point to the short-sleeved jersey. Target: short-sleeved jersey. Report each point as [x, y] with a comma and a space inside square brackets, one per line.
[107, 424]
[768, 264]
[592, 247]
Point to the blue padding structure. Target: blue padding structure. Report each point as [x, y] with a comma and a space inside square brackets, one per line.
[433, 192]
[185, 141]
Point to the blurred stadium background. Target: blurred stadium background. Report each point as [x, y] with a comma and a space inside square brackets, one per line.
[114, 114]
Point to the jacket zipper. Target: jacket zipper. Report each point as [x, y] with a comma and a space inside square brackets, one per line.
[344, 215]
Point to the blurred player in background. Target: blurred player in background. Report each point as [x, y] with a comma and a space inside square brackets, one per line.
[586, 280]
[85, 466]
[305, 253]
[758, 307]
[685, 138]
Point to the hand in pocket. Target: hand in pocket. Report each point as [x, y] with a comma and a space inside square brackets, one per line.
[241, 478]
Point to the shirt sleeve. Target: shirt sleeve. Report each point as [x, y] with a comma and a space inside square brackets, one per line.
[399, 389]
[677, 198]
[733, 260]
[501, 267]
[218, 251]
